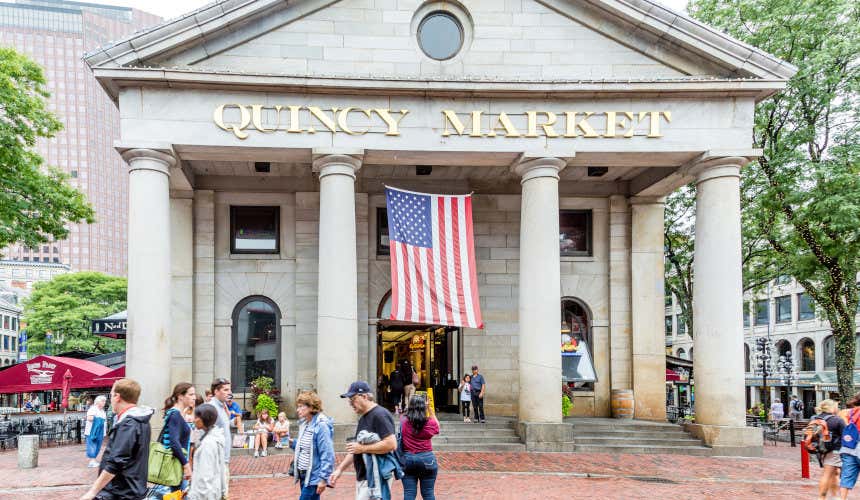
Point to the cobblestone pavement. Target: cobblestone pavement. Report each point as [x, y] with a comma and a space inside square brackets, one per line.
[62, 474]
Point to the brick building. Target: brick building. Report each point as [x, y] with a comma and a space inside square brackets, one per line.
[56, 33]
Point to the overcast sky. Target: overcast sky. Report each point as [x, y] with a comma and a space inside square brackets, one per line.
[172, 8]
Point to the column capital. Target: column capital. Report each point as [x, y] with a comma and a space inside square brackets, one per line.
[532, 168]
[337, 164]
[646, 200]
[156, 160]
[712, 166]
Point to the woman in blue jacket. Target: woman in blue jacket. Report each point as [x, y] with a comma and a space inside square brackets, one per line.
[313, 460]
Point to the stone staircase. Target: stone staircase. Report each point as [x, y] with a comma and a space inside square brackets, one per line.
[498, 434]
[605, 435]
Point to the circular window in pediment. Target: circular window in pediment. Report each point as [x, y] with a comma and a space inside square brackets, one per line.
[440, 35]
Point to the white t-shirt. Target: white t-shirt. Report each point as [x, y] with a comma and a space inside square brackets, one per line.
[466, 393]
[94, 412]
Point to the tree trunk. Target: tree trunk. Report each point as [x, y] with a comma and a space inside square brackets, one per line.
[845, 350]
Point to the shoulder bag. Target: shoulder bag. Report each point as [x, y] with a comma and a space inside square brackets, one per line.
[164, 468]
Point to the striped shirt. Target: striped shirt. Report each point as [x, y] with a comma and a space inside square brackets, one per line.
[304, 447]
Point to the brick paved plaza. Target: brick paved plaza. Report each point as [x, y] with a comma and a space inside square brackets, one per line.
[62, 475]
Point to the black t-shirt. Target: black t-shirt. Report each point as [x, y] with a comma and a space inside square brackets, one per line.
[377, 420]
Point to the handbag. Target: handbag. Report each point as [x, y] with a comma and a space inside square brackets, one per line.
[238, 441]
[164, 468]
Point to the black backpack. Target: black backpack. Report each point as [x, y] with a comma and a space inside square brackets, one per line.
[797, 405]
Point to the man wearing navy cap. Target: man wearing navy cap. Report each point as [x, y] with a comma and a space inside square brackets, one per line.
[373, 418]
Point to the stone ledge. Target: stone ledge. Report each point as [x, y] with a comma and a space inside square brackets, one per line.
[729, 440]
[546, 437]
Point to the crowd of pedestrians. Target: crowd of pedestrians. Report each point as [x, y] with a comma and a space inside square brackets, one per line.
[840, 456]
[196, 434]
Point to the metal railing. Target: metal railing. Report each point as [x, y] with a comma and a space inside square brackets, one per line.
[52, 433]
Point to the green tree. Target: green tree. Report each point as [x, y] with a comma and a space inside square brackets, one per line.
[36, 203]
[805, 190]
[66, 304]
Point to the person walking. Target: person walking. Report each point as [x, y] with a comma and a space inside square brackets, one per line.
[831, 462]
[207, 478]
[123, 469]
[777, 411]
[175, 434]
[396, 386]
[795, 408]
[465, 396]
[220, 395]
[373, 445]
[419, 462]
[313, 458]
[849, 452]
[95, 429]
[262, 427]
[478, 386]
[410, 380]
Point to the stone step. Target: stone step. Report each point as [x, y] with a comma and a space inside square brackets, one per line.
[609, 426]
[676, 434]
[494, 433]
[476, 427]
[658, 442]
[444, 439]
[236, 452]
[490, 447]
[644, 450]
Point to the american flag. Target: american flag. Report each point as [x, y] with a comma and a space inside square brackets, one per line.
[433, 274]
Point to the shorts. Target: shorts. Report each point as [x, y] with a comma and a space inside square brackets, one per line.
[850, 469]
[362, 492]
[833, 459]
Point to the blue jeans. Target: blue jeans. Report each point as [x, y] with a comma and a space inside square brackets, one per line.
[419, 467]
[850, 469]
[309, 492]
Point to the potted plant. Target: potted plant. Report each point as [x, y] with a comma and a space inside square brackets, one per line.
[265, 386]
[566, 400]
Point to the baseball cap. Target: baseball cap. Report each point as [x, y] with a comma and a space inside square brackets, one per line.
[357, 387]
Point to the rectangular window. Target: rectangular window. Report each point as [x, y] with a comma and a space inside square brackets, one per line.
[746, 314]
[805, 309]
[668, 326]
[255, 230]
[382, 245]
[6, 323]
[682, 326]
[783, 309]
[762, 312]
[575, 232]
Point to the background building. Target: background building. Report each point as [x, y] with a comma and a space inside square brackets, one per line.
[784, 314]
[10, 318]
[56, 34]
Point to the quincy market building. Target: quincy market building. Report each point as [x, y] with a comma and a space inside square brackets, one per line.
[260, 135]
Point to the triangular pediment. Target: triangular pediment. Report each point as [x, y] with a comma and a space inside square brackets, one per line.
[533, 40]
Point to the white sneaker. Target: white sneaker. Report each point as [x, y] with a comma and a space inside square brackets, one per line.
[265, 453]
[92, 464]
[256, 454]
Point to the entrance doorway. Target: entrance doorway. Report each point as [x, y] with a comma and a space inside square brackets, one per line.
[433, 351]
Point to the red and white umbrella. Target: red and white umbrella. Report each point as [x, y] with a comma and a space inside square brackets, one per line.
[67, 388]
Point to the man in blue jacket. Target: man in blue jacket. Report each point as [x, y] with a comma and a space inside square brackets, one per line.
[124, 465]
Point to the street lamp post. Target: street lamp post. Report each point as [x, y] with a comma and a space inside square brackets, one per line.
[764, 367]
[786, 370]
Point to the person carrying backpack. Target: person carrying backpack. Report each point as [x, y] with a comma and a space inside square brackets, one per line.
[850, 451]
[823, 436]
[795, 408]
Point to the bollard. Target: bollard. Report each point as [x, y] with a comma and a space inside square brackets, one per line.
[804, 463]
[791, 432]
[28, 451]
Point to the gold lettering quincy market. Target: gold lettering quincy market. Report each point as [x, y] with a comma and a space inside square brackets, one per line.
[239, 118]
[569, 124]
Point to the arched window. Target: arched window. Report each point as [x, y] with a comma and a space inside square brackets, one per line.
[256, 342]
[747, 358]
[782, 347]
[806, 348]
[691, 354]
[682, 353]
[576, 344]
[830, 353]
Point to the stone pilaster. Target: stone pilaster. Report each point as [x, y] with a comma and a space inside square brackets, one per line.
[621, 359]
[182, 285]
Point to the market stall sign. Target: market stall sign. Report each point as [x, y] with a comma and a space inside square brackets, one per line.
[241, 118]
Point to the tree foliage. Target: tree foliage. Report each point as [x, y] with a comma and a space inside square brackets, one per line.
[66, 304]
[802, 198]
[36, 203]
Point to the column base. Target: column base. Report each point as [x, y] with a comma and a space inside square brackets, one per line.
[729, 440]
[341, 432]
[546, 437]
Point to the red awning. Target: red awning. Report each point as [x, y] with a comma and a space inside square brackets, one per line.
[672, 376]
[112, 376]
[45, 373]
